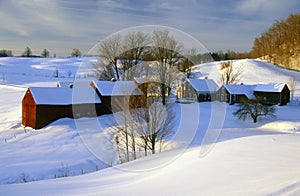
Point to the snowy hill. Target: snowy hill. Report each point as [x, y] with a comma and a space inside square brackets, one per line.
[253, 71]
[243, 159]
[40, 71]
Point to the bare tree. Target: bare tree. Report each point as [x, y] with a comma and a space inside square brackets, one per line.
[45, 53]
[134, 45]
[292, 86]
[254, 108]
[166, 50]
[27, 52]
[161, 124]
[124, 109]
[75, 52]
[103, 71]
[5, 53]
[156, 123]
[64, 171]
[141, 127]
[124, 121]
[122, 136]
[188, 61]
[229, 74]
[24, 177]
[109, 50]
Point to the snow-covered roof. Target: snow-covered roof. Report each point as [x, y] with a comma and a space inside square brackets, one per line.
[64, 84]
[248, 90]
[240, 89]
[118, 88]
[63, 96]
[271, 87]
[203, 85]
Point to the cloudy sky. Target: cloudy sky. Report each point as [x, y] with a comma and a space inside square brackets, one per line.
[61, 25]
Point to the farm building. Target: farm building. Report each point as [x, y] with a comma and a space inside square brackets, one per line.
[272, 93]
[43, 105]
[117, 95]
[197, 90]
[235, 93]
[151, 87]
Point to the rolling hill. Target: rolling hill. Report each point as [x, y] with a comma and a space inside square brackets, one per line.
[223, 156]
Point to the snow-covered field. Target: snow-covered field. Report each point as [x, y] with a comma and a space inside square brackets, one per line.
[245, 159]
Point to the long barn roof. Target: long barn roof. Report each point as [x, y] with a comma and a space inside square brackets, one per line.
[248, 90]
[271, 87]
[64, 96]
[204, 85]
[118, 88]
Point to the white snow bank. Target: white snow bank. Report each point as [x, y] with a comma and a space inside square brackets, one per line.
[248, 159]
[248, 166]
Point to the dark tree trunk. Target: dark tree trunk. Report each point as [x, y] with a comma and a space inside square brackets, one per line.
[255, 119]
[163, 93]
[153, 147]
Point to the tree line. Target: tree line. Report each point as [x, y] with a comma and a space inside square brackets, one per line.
[44, 53]
[280, 44]
[119, 58]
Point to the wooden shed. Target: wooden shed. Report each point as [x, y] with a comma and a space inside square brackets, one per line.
[43, 105]
[118, 95]
[270, 94]
[197, 89]
[235, 93]
[273, 93]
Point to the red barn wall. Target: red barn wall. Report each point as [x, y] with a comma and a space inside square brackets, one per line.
[28, 110]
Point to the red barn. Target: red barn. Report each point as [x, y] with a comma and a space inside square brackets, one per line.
[43, 105]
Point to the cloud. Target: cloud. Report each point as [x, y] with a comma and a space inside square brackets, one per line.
[265, 9]
[221, 25]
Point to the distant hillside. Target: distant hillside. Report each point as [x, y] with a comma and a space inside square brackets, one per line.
[34, 71]
[280, 44]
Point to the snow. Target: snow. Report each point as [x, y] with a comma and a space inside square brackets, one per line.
[240, 89]
[271, 87]
[117, 88]
[204, 85]
[64, 84]
[248, 90]
[241, 158]
[34, 71]
[64, 96]
[254, 72]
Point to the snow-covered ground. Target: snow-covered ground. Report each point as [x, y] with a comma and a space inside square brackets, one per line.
[245, 159]
[253, 71]
[41, 71]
